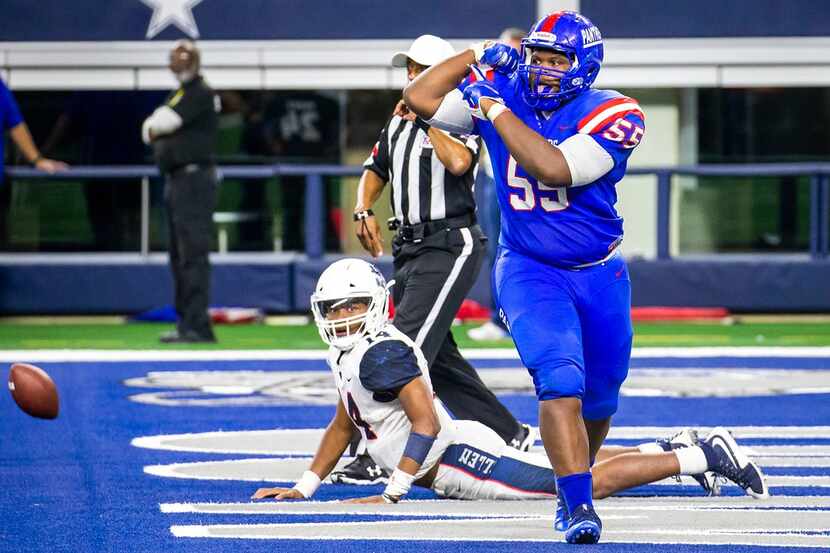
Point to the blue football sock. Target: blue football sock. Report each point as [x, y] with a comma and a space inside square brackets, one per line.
[576, 489]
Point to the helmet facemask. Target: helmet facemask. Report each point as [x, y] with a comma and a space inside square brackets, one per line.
[573, 36]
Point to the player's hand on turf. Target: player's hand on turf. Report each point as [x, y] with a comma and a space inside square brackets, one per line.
[368, 232]
[501, 57]
[364, 500]
[480, 96]
[277, 493]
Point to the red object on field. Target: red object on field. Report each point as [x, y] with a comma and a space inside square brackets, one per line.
[235, 315]
[640, 314]
[471, 310]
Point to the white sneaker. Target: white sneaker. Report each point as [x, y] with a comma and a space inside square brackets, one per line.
[487, 332]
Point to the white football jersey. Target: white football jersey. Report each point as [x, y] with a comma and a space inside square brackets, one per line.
[368, 378]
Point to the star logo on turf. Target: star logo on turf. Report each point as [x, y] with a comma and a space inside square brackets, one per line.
[172, 12]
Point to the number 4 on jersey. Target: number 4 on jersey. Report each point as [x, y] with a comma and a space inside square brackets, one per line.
[354, 414]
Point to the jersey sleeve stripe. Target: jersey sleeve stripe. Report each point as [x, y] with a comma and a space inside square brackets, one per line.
[602, 107]
[598, 121]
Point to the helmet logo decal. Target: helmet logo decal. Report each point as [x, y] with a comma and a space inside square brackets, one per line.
[542, 35]
[591, 37]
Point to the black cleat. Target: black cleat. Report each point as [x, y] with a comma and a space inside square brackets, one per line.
[363, 471]
[174, 337]
[524, 438]
[726, 459]
[689, 438]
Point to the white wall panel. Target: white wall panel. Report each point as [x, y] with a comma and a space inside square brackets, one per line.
[69, 79]
[652, 63]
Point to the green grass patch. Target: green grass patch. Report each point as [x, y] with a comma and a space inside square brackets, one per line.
[145, 336]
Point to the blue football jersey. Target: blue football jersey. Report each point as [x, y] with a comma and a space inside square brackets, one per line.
[562, 226]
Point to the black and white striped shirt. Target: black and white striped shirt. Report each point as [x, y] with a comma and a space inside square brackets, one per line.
[422, 189]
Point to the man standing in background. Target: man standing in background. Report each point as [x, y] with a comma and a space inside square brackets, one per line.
[12, 121]
[183, 133]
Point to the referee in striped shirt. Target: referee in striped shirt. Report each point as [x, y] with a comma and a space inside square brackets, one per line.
[438, 250]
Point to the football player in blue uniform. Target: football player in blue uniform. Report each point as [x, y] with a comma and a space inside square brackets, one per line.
[558, 148]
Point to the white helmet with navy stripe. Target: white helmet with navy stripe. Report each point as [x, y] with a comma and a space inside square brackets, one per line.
[347, 283]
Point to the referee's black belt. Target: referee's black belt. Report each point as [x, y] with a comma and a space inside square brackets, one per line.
[416, 233]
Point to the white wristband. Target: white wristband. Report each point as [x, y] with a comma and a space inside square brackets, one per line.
[398, 485]
[307, 484]
[496, 110]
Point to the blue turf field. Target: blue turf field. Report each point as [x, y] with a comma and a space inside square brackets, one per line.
[77, 483]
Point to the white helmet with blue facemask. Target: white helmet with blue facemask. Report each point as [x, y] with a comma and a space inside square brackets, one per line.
[346, 284]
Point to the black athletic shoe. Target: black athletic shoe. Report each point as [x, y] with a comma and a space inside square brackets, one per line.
[363, 471]
[173, 337]
[524, 438]
[689, 438]
[726, 459]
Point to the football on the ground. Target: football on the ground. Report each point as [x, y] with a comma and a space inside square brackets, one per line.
[33, 391]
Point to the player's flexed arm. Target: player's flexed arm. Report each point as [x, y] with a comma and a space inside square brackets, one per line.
[416, 400]
[578, 160]
[425, 94]
[336, 439]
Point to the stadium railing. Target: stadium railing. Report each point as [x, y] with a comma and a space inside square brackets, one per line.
[819, 174]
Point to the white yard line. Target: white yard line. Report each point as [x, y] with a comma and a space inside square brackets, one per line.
[93, 355]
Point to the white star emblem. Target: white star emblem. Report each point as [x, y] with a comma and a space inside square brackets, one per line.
[172, 12]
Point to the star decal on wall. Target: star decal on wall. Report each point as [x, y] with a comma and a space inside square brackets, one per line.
[172, 12]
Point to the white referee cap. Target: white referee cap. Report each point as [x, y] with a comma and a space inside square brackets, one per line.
[426, 50]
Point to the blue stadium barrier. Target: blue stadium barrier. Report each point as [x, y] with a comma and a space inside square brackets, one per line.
[819, 191]
[127, 283]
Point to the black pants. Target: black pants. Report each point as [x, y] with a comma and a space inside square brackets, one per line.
[432, 278]
[191, 199]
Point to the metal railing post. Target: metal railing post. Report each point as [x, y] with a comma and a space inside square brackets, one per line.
[145, 216]
[663, 214]
[815, 216]
[824, 216]
[315, 221]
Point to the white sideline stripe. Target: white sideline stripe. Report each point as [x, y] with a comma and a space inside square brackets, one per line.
[448, 284]
[742, 536]
[93, 355]
[200, 470]
[268, 509]
[275, 509]
[304, 440]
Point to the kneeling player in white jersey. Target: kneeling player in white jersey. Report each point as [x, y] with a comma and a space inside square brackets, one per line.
[385, 392]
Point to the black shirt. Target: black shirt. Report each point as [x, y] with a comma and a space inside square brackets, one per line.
[195, 141]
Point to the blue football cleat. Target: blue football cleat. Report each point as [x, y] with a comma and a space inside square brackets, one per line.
[733, 464]
[584, 526]
[560, 520]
